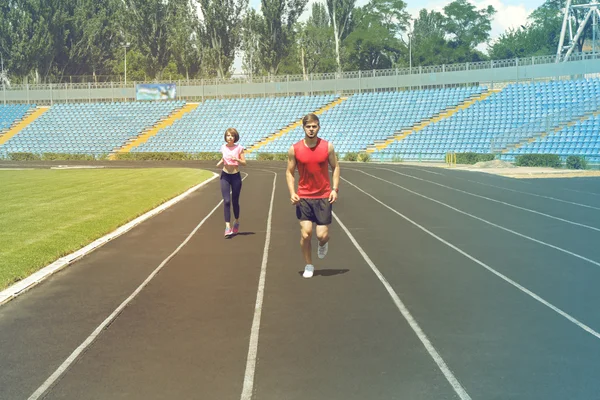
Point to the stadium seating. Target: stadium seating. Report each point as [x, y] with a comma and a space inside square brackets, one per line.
[96, 128]
[202, 130]
[558, 117]
[364, 118]
[9, 113]
[519, 109]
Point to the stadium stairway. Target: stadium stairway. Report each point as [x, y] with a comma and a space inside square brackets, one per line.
[446, 113]
[522, 142]
[18, 126]
[292, 126]
[153, 130]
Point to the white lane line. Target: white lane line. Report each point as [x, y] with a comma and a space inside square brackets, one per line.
[481, 263]
[90, 339]
[32, 280]
[253, 346]
[460, 391]
[528, 193]
[493, 200]
[489, 223]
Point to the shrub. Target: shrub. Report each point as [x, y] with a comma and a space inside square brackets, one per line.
[576, 162]
[23, 157]
[538, 160]
[67, 157]
[265, 157]
[364, 157]
[473, 158]
[351, 156]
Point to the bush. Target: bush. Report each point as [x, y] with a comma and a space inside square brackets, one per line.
[473, 158]
[265, 156]
[538, 160]
[576, 162]
[67, 157]
[364, 157]
[23, 157]
[164, 156]
[351, 156]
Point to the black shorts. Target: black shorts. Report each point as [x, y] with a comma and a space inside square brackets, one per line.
[315, 210]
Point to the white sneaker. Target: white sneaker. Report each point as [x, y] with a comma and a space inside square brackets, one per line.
[309, 270]
[322, 250]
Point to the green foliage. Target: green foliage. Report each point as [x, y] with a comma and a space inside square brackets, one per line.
[473, 158]
[315, 42]
[67, 157]
[538, 160]
[276, 31]
[23, 157]
[164, 156]
[467, 26]
[222, 24]
[351, 156]
[364, 157]
[271, 156]
[576, 162]
[340, 17]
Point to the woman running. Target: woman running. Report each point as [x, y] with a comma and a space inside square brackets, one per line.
[231, 180]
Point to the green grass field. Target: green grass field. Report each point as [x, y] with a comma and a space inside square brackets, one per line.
[47, 214]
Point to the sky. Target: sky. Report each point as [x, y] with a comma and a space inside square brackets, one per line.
[509, 13]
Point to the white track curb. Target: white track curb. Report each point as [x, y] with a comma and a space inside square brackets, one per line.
[20, 287]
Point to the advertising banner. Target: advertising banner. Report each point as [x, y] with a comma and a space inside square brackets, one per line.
[155, 91]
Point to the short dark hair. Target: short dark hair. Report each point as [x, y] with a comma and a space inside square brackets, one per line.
[310, 117]
[234, 132]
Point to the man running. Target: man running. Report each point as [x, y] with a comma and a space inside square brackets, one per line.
[315, 197]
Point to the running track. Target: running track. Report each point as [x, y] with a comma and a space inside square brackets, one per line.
[439, 284]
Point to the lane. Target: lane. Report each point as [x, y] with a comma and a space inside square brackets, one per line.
[40, 328]
[562, 271]
[337, 335]
[585, 212]
[571, 237]
[499, 342]
[186, 334]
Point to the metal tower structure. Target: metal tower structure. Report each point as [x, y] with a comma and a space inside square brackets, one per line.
[593, 11]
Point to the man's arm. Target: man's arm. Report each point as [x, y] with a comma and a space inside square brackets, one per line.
[335, 166]
[289, 175]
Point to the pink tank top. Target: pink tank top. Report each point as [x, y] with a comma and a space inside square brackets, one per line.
[229, 152]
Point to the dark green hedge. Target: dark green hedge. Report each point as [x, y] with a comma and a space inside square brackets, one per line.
[538, 160]
[473, 158]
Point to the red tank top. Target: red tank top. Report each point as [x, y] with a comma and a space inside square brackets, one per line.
[313, 169]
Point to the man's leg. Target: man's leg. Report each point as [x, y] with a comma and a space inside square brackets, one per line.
[323, 238]
[306, 228]
[323, 234]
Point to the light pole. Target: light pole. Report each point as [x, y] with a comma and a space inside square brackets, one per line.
[410, 53]
[125, 46]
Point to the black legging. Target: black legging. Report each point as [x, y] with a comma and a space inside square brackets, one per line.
[233, 182]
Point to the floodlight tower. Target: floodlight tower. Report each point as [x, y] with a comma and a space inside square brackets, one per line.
[593, 10]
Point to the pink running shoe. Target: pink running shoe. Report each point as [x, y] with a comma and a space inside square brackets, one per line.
[236, 228]
[228, 232]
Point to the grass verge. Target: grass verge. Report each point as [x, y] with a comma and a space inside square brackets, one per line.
[47, 214]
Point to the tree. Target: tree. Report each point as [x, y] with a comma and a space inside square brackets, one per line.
[548, 19]
[277, 30]
[429, 44]
[251, 28]
[185, 39]
[147, 23]
[315, 42]
[222, 24]
[374, 42]
[467, 26]
[340, 14]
